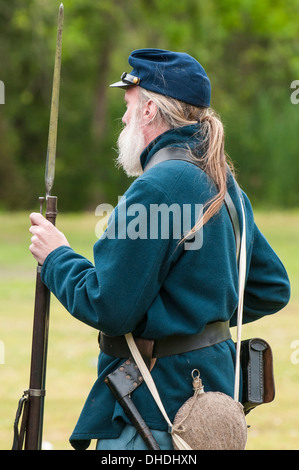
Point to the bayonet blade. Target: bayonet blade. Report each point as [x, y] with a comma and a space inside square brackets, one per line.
[52, 138]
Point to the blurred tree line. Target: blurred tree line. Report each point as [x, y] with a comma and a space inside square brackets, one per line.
[249, 48]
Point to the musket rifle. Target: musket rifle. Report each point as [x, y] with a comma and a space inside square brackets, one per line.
[31, 405]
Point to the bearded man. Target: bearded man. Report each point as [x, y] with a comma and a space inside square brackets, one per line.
[160, 288]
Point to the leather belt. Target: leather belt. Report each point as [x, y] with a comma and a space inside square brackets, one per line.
[213, 333]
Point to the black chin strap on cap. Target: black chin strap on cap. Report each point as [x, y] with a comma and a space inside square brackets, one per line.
[126, 80]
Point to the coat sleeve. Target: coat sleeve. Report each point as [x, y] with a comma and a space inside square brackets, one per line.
[267, 287]
[114, 294]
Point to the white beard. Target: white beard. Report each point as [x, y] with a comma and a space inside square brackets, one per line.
[130, 145]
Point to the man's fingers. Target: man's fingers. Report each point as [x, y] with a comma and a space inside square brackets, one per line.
[33, 229]
[45, 237]
[37, 219]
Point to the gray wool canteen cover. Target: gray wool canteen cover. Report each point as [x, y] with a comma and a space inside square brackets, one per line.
[211, 420]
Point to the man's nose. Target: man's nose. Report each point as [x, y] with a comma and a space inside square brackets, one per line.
[124, 118]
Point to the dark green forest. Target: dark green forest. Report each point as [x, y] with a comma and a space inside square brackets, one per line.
[249, 48]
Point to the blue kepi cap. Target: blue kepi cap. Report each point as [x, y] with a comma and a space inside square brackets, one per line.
[174, 74]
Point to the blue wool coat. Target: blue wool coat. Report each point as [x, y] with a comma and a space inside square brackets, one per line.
[154, 287]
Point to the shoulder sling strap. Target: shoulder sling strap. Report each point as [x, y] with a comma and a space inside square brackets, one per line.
[181, 444]
[176, 153]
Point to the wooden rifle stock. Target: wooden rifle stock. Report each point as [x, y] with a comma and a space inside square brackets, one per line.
[36, 393]
[32, 402]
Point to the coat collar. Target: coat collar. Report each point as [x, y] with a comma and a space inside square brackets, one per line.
[182, 137]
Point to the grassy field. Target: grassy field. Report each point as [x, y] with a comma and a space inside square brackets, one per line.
[72, 354]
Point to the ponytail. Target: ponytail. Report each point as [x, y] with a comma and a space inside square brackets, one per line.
[210, 157]
[214, 162]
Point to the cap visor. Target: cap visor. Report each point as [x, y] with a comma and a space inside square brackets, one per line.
[120, 84]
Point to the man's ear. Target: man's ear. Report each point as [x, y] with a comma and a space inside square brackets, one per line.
[149, 112]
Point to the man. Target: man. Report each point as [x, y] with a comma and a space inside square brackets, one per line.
[155, 282]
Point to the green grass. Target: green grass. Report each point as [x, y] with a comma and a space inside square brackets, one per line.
[72, 353]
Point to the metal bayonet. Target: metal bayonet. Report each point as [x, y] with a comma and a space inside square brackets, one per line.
[52, 138]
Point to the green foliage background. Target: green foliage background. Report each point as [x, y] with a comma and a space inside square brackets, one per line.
[249, 48]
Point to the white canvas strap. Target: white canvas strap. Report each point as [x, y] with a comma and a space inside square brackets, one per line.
[179, 442]
[242, 277]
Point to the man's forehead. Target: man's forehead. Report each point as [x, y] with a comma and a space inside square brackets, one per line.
[131, 93]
